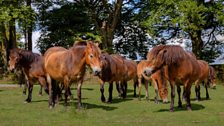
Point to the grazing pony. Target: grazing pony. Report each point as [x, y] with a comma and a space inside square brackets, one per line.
[158, 79]
[203, 78]
[180, 67]
[212, 77]
[113, 70]
[69, 65]
[31, 65]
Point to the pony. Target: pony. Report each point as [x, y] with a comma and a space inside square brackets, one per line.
[131, 66]
[212, 77]
[69, 65]
[203, 78]
[158, 79]
[113, 70]
[31, 65]
[179, 65]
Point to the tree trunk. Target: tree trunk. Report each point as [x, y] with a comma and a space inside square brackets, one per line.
[29, 35]
[12, 37]
[4, 45]
[197, 43]
[29, 29]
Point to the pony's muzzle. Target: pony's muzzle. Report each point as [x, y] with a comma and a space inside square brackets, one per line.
[147, 71]
[96, 71]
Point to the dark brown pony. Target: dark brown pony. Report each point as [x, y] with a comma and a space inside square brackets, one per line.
[203, 78]
[69, 65]
[212, 77]
[180, 67]
[158, 79]
[31, 65]
[113, 70]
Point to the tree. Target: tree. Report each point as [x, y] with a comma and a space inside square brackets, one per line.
[193, 17]
[106, 16]
[10, 13]
[61, 26]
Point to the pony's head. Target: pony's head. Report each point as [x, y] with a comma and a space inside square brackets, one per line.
[14, 58]
[155, 60]
[92, 55]
[163, 55]
[163, 92]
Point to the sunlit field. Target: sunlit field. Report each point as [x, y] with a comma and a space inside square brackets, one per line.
[128, 112]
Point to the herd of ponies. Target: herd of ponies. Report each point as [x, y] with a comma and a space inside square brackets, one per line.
[165, 64]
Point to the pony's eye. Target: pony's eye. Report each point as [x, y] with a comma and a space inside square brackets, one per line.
[91, 55]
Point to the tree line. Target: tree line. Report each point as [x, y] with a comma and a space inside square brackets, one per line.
[128, 27]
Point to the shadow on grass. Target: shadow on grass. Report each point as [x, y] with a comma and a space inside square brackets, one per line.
[37, 101]
[89, 89]
[90, 106]
[195, 107]
[118, 100]
[202, 99]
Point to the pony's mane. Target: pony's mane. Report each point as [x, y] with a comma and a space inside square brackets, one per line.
[80, 43]
[172, 54]
[27, 56]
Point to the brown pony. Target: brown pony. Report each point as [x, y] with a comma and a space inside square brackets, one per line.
[32, 66]
[212, 77]
[69, 65]
[131, 66]
[113, 70]
[180, 67]
[203, 78]
[158, 79]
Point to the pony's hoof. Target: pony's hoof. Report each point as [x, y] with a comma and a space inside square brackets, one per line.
[79, 106]
[103, 99]
[171, 110]
[109, 101]
[139, 99]
[156, 102]
[180, 106]
[27, 101]
[51, 107]
[189, 108]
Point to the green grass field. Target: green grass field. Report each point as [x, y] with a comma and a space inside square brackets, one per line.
[128, 112]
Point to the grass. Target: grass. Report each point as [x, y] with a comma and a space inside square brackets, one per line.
[95, 113]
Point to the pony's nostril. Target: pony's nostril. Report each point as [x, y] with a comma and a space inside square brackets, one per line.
[145, 72]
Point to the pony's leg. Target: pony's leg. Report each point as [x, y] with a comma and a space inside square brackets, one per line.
[40, 91]
[25, 87]
[118, 87]
[125, 86]
[110, 92]
[197, 92]
[139, 89]
[50, 92]
[179, 98]
[135, 85]
[188, 94]
[156, 90]
[66, 86]
[102, 91]
[172, 97]
[206, 89]
[30, 89]
[147, 91]
[79, 94]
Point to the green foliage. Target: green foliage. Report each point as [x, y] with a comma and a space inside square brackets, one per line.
[191, 16]
[62, 26]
